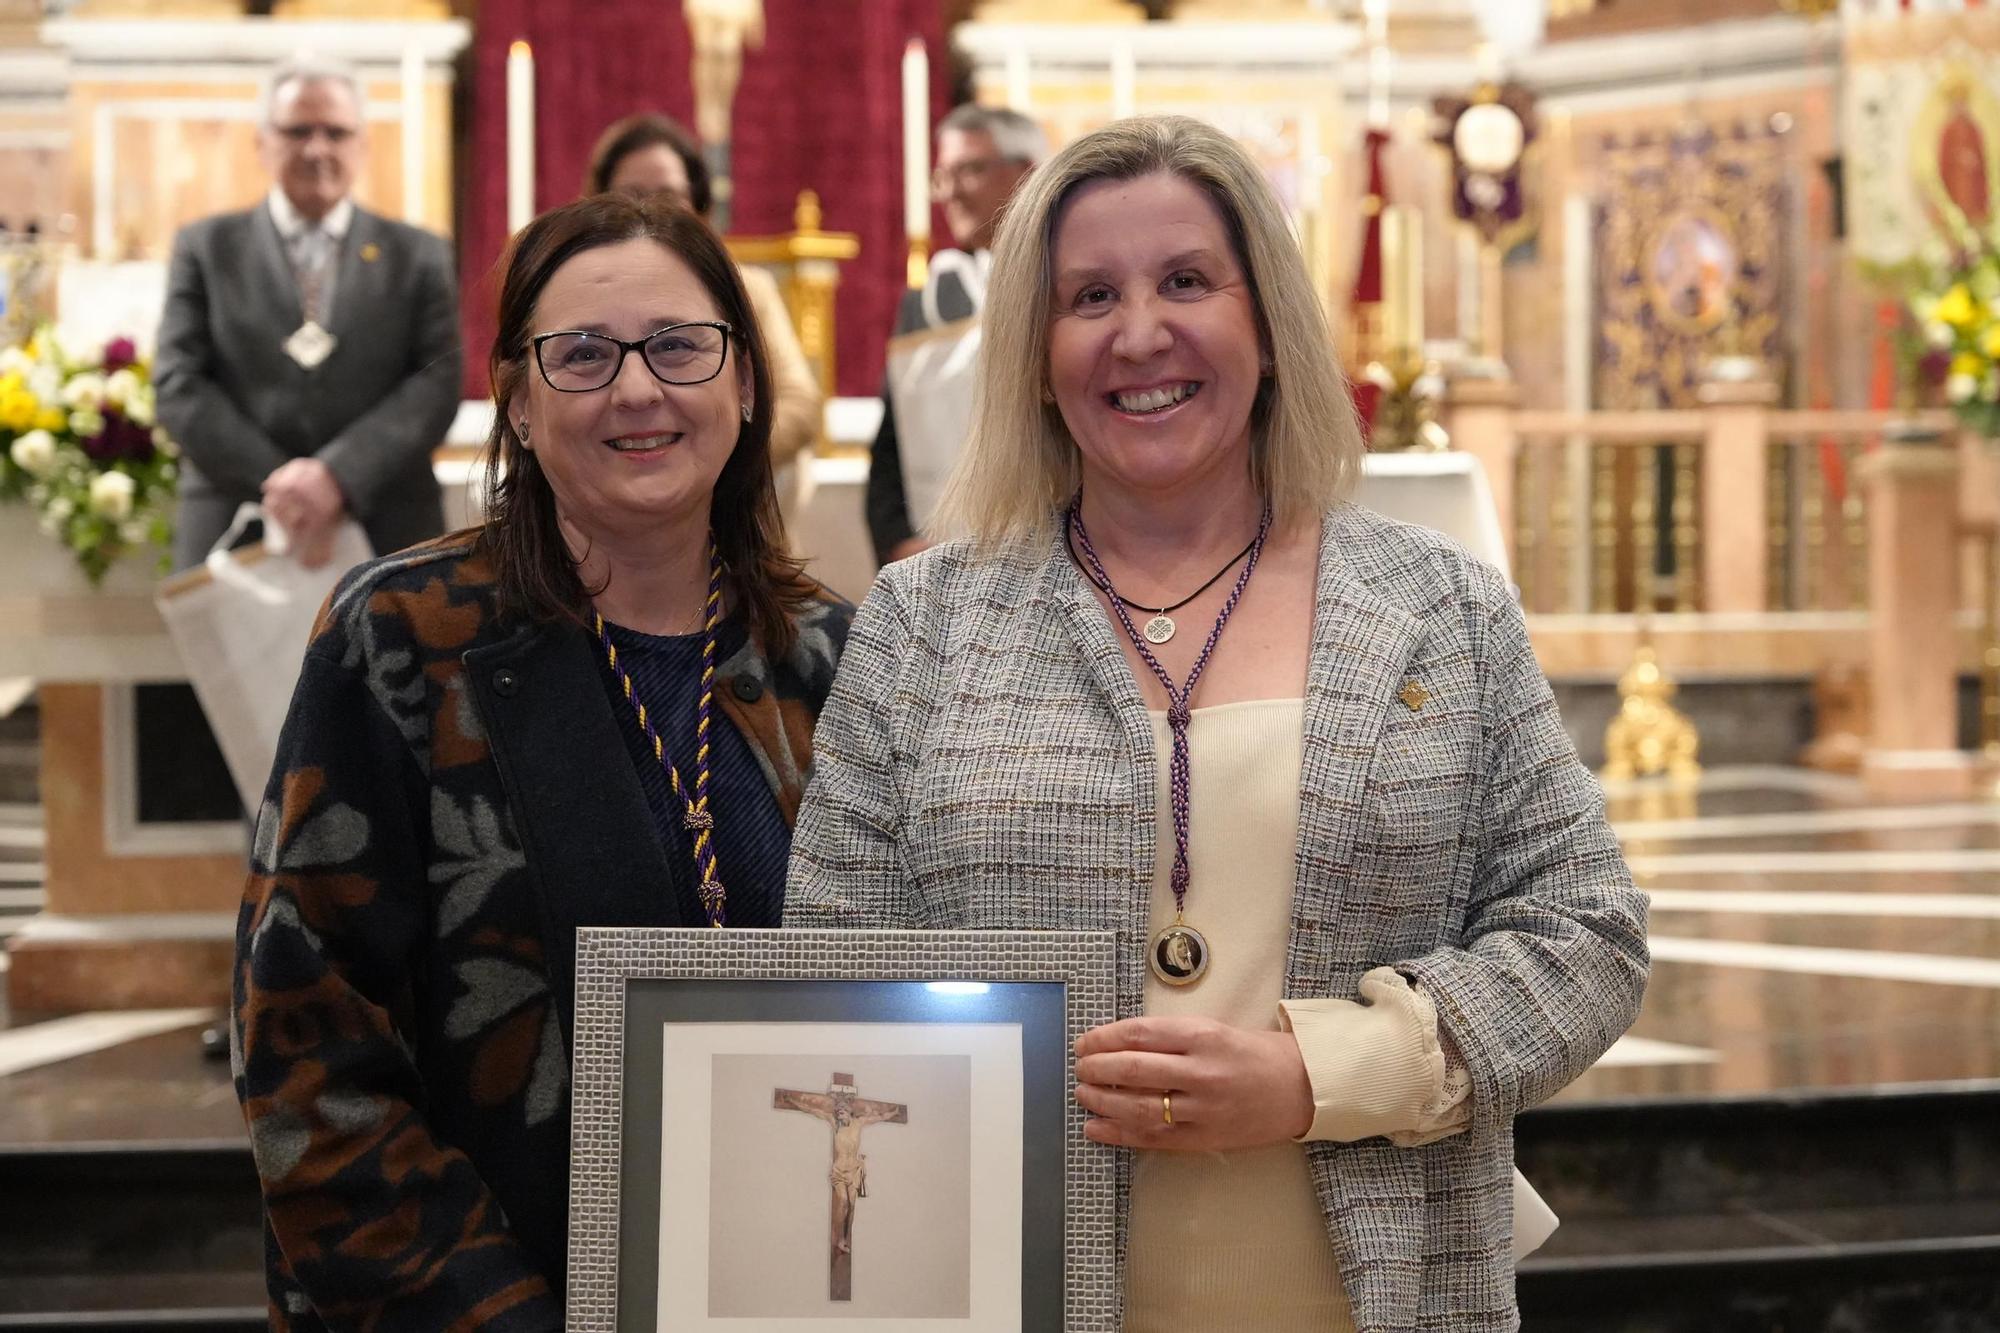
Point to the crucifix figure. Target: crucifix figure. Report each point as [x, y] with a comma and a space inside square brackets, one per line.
[849, 1115]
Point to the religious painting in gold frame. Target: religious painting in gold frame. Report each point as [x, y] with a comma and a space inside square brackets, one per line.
[1691, 269]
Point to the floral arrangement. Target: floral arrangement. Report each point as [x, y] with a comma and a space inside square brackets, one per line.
[79, 443]
[1955, 347]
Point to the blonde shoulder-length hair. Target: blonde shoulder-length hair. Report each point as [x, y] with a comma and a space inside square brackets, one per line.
[1020, 465]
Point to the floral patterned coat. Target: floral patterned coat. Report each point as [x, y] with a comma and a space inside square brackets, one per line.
[451, 800]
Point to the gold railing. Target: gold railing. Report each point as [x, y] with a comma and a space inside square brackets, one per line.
[1615, 511]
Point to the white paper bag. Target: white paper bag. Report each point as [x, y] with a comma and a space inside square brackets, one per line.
[1534, 1220]
[241, 622]
[931, 377]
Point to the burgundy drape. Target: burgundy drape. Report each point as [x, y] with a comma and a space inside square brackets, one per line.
[819, 107]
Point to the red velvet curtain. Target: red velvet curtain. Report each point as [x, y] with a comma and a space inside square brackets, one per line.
[819, 107]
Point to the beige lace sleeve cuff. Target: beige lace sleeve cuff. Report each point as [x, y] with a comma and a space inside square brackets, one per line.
[1378, 1066]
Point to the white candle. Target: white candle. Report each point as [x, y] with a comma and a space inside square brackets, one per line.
[520, 136]
[916, 141]
[1393, 294]
[413, 135]
[1413, 277]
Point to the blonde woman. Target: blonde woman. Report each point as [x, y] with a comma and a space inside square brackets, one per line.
[1299, 757]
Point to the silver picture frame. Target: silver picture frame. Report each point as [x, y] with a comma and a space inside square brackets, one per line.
[664, 1015]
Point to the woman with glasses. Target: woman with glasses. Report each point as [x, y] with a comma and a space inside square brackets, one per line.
[597, 709]
[649, 152]
[1299, 758]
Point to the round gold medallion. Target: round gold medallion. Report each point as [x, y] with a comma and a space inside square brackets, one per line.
[1179, 955]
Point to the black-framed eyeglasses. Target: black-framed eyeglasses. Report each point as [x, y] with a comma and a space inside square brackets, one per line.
[573, 361]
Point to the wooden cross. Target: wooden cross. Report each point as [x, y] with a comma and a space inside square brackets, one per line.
[848, 1114]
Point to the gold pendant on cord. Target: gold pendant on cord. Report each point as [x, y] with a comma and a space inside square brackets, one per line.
[1179, 954]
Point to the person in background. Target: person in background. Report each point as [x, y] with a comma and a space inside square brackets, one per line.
[596, 709]
[983, 155]
[1299, 758]
[649, 152]
[309, 349]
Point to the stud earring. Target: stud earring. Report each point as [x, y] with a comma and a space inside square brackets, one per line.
[521, 430]
[748, 412]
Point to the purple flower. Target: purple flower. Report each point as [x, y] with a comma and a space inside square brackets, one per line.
[119, 353]
[1935, 367]
[120, 439]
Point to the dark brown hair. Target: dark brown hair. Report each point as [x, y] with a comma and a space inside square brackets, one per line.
[648, 129]
[537, 574]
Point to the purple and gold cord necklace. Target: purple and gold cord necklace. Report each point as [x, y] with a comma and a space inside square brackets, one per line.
[695, 815]
[1179, 953]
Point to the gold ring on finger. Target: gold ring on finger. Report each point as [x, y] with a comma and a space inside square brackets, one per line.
[1167, 1107]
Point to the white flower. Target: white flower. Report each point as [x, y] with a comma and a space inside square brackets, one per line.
[50, 525]
[139, 409]
[86, 422]
[165, 442]
[1961, 388]
[61, 508]
[85, 391]
[121, 386]
[134, 532]
[34, 453]
[45, 382]
[1938, 335]
[1379, 375]
[111, 496]
[14, 361]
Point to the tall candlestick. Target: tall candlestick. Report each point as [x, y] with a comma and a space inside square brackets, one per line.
[520, 136]
[916, 142]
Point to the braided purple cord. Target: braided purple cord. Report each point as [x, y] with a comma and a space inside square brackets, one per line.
[695, 814]
[1178, 713]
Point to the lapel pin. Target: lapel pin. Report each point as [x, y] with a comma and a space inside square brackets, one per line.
[1414, 696]
[370, 253]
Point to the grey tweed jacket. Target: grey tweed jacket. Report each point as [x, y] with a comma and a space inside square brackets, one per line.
[985, 760]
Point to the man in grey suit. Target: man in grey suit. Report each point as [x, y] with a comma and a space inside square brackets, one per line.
[309, 354]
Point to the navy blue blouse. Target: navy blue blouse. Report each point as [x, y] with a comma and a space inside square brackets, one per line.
[752, 840]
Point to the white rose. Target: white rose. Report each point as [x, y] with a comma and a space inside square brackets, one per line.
[121, 386]
[134, 531]
[14, 361]
[1960, 388]
[34, 453]
[139, 410]
[45, 382]
[61, 508]
[111, 496]
[85, 392]
[1938, 335]
[165, 442]
[86, 422]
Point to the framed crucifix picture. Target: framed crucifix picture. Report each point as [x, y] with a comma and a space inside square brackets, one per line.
[782, 1130]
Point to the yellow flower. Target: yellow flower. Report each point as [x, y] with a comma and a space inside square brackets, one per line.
[18, 410]
[1956, 307]
[1989, 341]
[1968, 363]
[51, 419]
